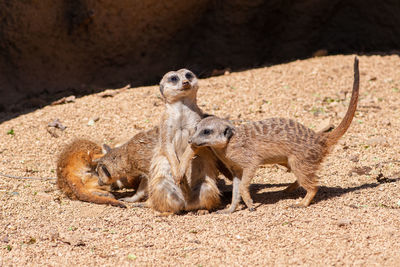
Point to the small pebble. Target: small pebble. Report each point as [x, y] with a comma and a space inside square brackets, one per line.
[343, 222]
[355, 158]
[5, 239]
[377, 141]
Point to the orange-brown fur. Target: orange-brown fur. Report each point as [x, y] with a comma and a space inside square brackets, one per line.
[199, 191]
[276, 140]
[129, 164]
[76, 175]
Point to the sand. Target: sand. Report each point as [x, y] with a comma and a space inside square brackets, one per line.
[354, 219]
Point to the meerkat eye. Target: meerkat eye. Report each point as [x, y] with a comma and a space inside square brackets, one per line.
[207, 132]
[106, 171]
[173, 79]
[228, 132]
[189, 75]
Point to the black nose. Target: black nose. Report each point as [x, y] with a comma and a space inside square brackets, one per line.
[185, 83]
[190, 141]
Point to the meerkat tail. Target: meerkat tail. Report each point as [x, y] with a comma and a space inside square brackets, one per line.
[334, 136]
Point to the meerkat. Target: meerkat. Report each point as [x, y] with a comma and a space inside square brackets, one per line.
[275, 140]
[199, 190]
[76, 175]
[128, 166]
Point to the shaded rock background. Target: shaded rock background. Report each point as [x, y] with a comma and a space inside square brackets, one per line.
[50, 49]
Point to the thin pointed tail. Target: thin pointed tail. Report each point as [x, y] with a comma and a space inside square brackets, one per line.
[337, 133]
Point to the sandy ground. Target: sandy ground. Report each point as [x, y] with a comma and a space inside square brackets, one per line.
[354, 220]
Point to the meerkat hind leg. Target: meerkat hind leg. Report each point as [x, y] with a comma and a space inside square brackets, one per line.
[102, 193]
[235, 197]
[140, 193]
[102, 197]
[305, 202]
[204, 198]
[307, 180]
[292, 187]
[164, 194]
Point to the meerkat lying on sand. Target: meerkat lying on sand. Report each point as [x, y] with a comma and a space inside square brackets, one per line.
[76, 175]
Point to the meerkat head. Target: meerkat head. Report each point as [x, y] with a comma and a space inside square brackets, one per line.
[107, 167]
[178, 84]
[212, 131]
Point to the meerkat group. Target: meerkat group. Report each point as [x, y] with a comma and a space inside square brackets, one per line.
[175, 166]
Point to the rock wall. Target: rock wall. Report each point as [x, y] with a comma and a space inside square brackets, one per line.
[50, 49]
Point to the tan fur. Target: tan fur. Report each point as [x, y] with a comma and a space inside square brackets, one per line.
[128, 165]
[276, 140]
[76, 175]
[199, 190]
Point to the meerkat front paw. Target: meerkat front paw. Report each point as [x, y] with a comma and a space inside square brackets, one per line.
[225, 211]
[202, 212]
[179, 178]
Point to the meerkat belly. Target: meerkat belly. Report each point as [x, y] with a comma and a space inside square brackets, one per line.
[185, 123]
[274, 159]
[180, 141]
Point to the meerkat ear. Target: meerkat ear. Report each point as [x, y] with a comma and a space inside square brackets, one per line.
[229, 131]
[106, 149]
[162, 90]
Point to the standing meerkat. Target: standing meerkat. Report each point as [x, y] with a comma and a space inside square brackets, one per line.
[276, 140]
[199, 190]
[128, 166]
[76, 175]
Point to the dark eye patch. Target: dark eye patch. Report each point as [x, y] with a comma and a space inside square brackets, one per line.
[173, 79]
[104, 168]
[207, 132]
[189, 75]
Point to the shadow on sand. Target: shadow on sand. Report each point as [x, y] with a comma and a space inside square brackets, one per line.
[272, 197]
[324, 192]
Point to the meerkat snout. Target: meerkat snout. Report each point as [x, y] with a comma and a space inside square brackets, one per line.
[185, 84]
